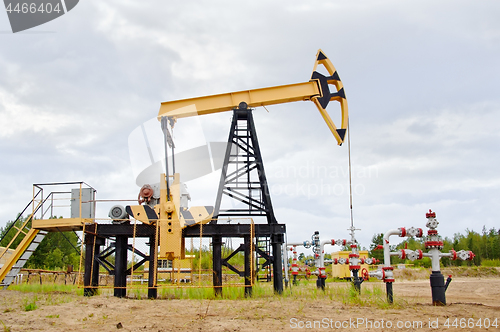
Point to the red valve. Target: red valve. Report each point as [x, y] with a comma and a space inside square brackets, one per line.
[365, 274]
[420, 232]
[420, 254]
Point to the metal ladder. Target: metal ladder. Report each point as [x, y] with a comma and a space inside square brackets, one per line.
[17, 260]
[263, 249]
[30, 239]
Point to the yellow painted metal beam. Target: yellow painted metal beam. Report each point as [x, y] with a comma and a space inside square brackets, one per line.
[61, 224]
[21, 248]
[316, 90]
[228, 101]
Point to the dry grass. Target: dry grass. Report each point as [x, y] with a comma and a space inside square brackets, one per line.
[420, 273]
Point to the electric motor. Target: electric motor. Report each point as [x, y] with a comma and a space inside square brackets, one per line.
[118, 214]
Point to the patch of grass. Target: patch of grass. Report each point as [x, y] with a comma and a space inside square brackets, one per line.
[138, 293]
[490, 262]
[411, 273]
[336, 290]
[30, 305]
[47, 288]
[201, 293]
[52, 316]
[369, 297]
[471, 271]
[5, 327]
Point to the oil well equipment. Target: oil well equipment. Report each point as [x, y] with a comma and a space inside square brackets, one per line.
[434, 245]
[162, 216]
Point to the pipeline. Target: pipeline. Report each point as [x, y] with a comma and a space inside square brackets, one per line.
[386, 272]
[319, 261]
[318, 247]
[354, 261]
[434, 245]
[294, 268]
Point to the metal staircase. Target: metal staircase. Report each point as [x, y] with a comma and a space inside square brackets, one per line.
[23, 236]
[13, 267]
[16, 256]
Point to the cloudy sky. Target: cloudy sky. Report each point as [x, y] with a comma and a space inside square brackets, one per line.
[421, 79]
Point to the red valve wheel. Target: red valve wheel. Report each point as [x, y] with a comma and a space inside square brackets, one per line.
[364, 274]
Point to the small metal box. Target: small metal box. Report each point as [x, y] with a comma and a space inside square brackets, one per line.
[88, 206]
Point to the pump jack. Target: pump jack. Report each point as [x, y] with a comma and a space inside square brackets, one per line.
[172, 223]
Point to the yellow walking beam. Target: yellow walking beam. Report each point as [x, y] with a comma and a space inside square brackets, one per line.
[228, 101]
[317, 90]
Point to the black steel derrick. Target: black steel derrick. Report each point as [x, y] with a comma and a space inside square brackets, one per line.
[244, 180]
[243, 177]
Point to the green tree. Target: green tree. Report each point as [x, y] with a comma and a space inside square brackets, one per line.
[56, 251]
[8, 232]
[377, 239]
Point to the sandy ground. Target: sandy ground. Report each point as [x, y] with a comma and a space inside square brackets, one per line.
[470, 301]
